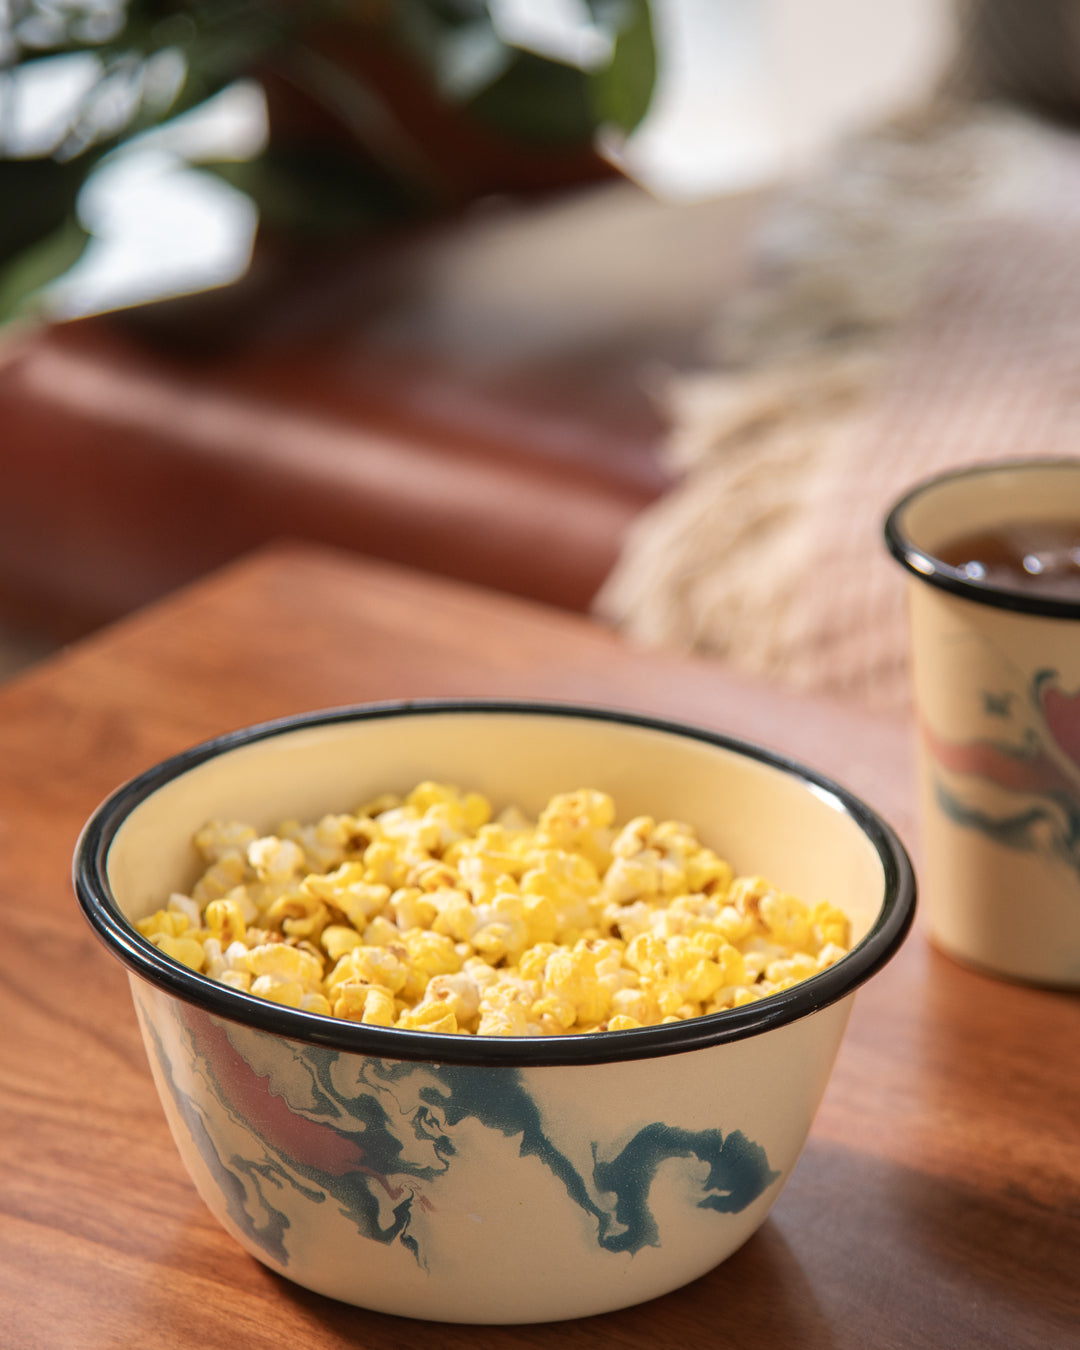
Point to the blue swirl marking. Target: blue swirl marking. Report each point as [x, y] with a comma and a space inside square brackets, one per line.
[1036, 829]
[269, 1236]
[498, 1099]
[738, 1169]
[389, 1125]
[739, 1172]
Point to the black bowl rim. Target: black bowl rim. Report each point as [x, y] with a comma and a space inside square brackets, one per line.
[142, 958]
[934, 572]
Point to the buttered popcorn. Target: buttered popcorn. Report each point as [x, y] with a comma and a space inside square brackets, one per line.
[424, 912]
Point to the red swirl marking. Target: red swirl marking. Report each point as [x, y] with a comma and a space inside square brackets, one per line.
[249, 1096]
[1016, 771]
[1062, 714]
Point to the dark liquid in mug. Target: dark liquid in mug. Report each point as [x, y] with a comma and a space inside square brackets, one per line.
[1039, 557]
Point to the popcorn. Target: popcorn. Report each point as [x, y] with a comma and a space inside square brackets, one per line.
[427, 913]
[384, 966]
[186, 950]
[218, 838]
[369, 1003]
[225, 919]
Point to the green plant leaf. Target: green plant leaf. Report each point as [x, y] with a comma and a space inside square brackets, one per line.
[38, 195]
[622, 90]
[22, 280]
[538, 101]
[315, 196]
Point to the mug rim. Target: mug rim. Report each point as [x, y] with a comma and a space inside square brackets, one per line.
[142, 958]
[924, 566]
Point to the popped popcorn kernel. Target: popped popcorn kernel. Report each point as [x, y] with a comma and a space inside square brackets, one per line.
[831, 925]
[187, 950]
[284, 962]
[163, 923]
[371, 965]
[429, 912]
[217, 838]
[429, 1016]
[236, 979]
[225, 919]
[287, 992]
[219, 878]
[184, 904]
[340, 938]
[368, 1003]
[348, 889]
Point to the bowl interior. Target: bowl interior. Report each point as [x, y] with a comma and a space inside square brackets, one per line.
[764, 818]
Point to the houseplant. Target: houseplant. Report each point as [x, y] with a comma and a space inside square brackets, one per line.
[380, 112]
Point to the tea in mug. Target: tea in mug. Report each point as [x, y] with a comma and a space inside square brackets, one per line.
[1037, 557]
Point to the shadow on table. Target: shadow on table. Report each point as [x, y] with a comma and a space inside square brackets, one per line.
[758, 1298]
[1010, 1251]
[977, 1258]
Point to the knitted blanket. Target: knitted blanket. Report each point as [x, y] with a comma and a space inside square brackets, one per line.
[915, 307]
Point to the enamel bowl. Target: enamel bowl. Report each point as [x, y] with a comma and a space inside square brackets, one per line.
[489, 1179]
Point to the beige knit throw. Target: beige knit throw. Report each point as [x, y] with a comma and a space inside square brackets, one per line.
[916, 307]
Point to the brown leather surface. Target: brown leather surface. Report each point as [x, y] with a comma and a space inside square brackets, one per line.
[128, 470]
[474, 399]
[323, 402]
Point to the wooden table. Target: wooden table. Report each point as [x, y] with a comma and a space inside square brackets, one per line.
[938, 1200]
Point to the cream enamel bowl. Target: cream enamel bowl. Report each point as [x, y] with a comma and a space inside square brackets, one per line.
[490, 1179]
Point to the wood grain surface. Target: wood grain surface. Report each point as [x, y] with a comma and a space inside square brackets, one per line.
[937, 1203]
